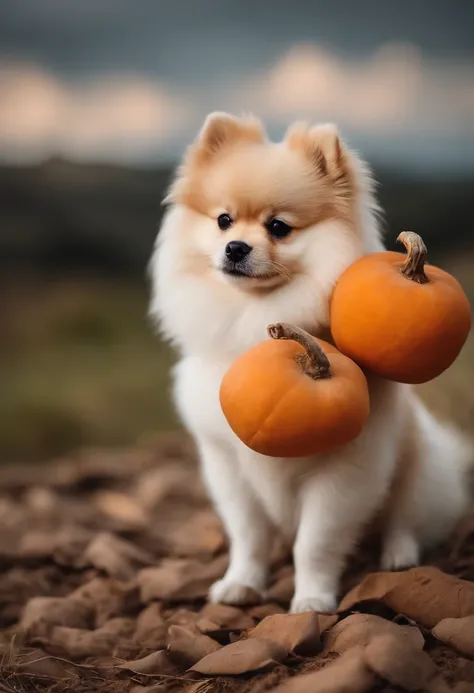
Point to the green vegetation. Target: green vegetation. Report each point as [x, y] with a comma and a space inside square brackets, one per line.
[80, 365]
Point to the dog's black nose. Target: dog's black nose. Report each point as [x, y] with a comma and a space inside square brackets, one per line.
[237, 250]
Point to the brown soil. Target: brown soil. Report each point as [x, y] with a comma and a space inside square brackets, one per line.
[105, 562]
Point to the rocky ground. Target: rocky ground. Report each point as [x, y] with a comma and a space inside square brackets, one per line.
[105, 561]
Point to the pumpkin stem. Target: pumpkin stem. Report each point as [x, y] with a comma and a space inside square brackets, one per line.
[414, 266]
[315, 363]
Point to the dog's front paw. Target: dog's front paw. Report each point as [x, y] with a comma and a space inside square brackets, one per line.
[401, 550]
[230, 592]
[325, 603]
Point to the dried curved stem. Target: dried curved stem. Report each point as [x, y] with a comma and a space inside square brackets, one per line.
[315, 363]
[414, 266]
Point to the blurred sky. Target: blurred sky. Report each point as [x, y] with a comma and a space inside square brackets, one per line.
[129, 81]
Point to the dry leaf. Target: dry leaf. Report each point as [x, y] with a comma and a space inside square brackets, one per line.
[42, 500]
[438, 685]
[206, 686]
[241, 657]
[457, 633]
[121, 507]
[261, 611]
[59, 611]
[226, 616]
[282, 590]
[300, 633]
[182, 617]
[107, 597]
[66, 546]
[205, 626]
[37, 663]
[70, 543]
[189, 644]
[151, 627]
[179, 579]
[156, 485]
[425, 594]
[200, 534]
[78, 644]
[118, 558]
[36, 544]
[154, 663]
[360, 629]
[347, 674]
[396, 661]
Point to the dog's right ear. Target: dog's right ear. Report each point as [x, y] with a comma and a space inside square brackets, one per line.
[222, 129]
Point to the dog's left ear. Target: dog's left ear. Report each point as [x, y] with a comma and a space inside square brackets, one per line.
[321, 144]
[222, 129]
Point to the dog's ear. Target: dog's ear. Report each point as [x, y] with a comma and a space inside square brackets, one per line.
[222, 129]
[322, 146]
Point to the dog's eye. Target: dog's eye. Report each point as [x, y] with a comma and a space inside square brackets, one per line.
[224, 221]
[278, 229]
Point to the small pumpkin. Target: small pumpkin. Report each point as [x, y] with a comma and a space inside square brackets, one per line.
[294, 395]
[398, 317]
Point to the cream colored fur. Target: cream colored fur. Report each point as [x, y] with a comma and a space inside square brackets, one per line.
[404, 462]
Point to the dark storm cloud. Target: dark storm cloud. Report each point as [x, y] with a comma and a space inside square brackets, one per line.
[194, 41]
[131, 80]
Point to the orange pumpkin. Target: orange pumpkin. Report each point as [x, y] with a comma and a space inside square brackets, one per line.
[398, 317]
[294, 397]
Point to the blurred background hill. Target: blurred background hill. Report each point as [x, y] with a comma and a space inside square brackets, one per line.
[97, 102]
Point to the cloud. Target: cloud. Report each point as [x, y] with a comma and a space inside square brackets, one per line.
[393, 90]
[123, 117]
[395, 105]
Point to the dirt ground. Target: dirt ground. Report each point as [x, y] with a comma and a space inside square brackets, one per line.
[105, 561]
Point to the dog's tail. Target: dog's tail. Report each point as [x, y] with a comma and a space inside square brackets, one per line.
[445, 474]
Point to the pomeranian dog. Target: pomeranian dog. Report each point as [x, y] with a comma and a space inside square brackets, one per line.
[259, 232]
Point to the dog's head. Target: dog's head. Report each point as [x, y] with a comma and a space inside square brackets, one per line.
[255, 208]
[258, 232]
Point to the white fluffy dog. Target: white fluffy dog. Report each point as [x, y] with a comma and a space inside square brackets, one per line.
[259, 232]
